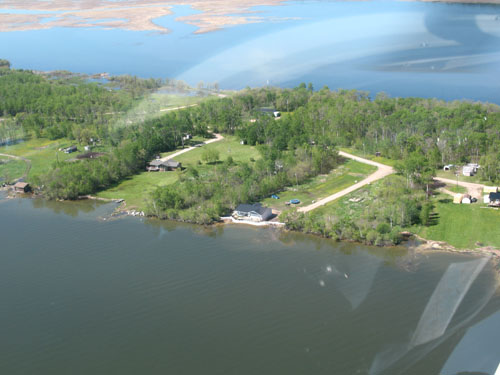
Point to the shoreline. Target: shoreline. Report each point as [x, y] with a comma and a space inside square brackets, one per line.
[425, 245]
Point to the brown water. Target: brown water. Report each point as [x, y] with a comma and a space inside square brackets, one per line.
[79, 295]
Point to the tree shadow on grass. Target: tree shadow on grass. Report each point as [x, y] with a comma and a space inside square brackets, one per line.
[433, 219]
[445, 200]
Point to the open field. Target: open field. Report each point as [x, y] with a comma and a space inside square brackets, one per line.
[378, 159]
[136, 189]
[463, 225]
[155, 105]
[322, 186]
[229, 146]
[41, 152]
[11, 169]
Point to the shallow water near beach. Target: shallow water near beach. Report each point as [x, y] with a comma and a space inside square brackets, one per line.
[83, 295]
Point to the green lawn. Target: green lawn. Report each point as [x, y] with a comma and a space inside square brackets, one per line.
[322, 186]
[137, 189]
[463, 225]
[11, 169]
[378, 159]
[456, 189]
[42, 153]
[229, 146]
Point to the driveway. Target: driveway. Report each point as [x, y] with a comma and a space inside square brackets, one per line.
[218, 137]
[382, 171]
[474, 190]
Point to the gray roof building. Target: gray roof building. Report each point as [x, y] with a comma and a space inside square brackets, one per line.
[255, 212]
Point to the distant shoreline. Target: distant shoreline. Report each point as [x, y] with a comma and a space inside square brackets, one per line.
[140, 15]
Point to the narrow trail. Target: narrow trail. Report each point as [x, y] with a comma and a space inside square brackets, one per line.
[27, 161]
[176, 108]
[382, 171]
[217, 138]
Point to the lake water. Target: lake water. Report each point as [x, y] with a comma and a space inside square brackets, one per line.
[448, 51]
[80, 295]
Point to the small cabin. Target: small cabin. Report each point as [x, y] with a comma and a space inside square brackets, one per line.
[22, 187]
[468, 171]
[70, 149]
[276, 114]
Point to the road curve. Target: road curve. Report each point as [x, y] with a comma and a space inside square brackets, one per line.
[218, 137]
[382, 171]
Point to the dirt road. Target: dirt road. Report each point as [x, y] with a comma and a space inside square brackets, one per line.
[382, 171]
[474, 190]
[176, 108]
[218, 137]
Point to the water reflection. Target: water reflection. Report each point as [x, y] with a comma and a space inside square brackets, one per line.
[72, 208]
[439, 322]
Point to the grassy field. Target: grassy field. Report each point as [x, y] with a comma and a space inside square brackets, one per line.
[378, 159]
[41, 152]
[11, 169]
[229, 146]
[136, 190]
[463, 225]
[456, 189]
[152, 105]
[322, 186]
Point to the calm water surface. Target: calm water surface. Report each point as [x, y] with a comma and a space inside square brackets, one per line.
[448, 51]
[80, 295]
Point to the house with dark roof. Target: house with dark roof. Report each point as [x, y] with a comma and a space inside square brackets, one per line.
[494, 200]
[159, 165]
[253, 212]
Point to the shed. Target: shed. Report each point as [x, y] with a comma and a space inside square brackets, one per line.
[254, 212]
[272, 111]
[22, 187]
[468, 171]
[457, 198]
[70, 149]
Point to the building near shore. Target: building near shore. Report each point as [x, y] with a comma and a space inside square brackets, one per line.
[253, 212]
[22, 187]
